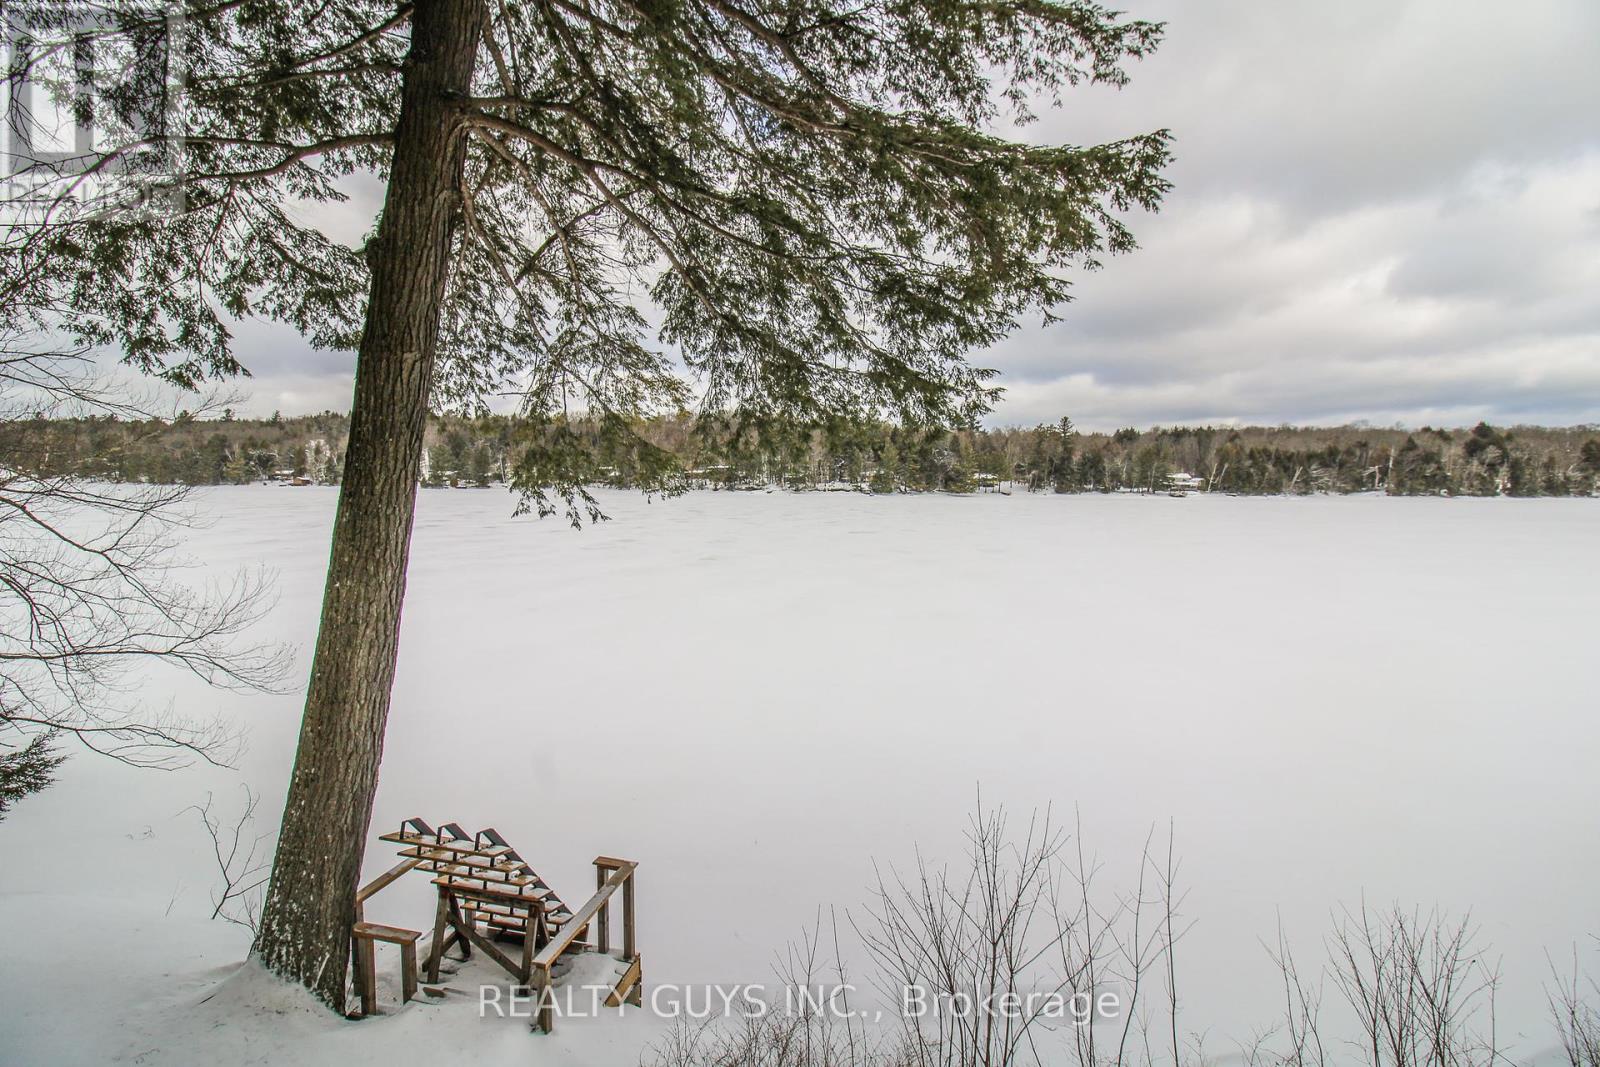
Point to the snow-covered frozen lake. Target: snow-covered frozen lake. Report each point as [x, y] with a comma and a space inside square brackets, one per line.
[756, 695]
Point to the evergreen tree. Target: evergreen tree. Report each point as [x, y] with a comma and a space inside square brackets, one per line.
[1092, 472]
[26, 771]
[1417, 471]
[238, 470]
[1589, 456]
[886, 478]
[1063, 472]
[808, 191]
[1149, 469]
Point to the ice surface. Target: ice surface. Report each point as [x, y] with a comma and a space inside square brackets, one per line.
[756, 695]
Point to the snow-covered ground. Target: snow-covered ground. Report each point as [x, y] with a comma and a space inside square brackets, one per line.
[756, 695]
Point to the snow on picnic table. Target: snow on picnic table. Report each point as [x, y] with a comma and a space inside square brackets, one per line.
[756, 695]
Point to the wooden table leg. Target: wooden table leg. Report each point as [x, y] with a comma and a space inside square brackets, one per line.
[355, 961]
[544, 1002]
[436, 950]
[464, 928]
[529, 943]
[369, 977]
[408, 971]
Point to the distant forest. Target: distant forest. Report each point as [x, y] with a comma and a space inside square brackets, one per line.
[875, 457]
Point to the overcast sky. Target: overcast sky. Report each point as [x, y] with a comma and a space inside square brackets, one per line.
[1382, 209]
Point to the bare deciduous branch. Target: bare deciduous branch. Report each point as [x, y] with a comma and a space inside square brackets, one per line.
[242, 862]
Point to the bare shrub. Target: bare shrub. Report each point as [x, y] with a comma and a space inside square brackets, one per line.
[1421, 991]
[1297, 1040]
[1001, 958]
[1024, 915]
[243, 864]
[800, 1032]
[1575, 1007]
[91, 591]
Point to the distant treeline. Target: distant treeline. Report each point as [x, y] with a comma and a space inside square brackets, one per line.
[875, 456]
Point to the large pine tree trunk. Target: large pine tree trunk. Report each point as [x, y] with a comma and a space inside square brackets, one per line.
[305, 927]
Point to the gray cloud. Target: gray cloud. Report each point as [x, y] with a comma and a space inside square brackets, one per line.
[1383, 209]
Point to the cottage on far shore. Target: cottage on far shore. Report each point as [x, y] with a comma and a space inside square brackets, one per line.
[1181, 484]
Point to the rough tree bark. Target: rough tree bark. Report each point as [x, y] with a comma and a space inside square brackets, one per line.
[305, 925]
